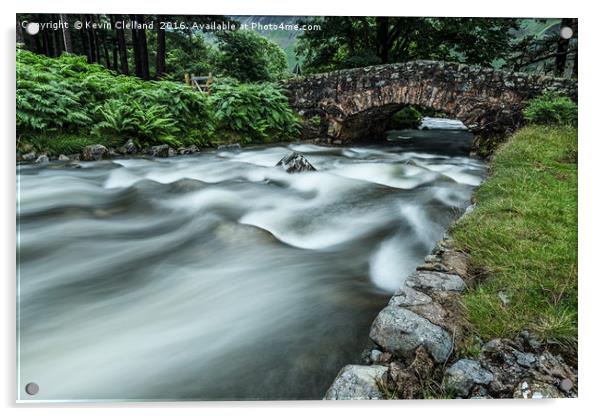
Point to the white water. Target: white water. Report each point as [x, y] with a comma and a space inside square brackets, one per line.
[219, 276]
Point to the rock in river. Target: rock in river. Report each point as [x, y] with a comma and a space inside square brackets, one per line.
[401, 331]
[295, 162]
[93, 152]
[358, 382]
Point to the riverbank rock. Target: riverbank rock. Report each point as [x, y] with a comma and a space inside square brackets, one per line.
[358, 382]
[28, 157]
[295, 162]
[94, 152]
[188, 150]
[42, 159]
[229, 147]
[129, 148]
[437, 281]
[464, 375]
[162, 150]
[63, 158]
[401, 331]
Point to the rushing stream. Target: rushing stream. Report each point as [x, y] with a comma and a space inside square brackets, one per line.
[218, 276]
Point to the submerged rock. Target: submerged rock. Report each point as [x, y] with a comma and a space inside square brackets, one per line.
[94, 152]
[464, 375]
[295, 162]
[401, 331]
[358, 382]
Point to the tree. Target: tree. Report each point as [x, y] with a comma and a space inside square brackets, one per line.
[345, 42]
[250, 57]
[140, 48]
[160, 66]
[548, 53]
[66, 35]
[121, 45]
[562, 47]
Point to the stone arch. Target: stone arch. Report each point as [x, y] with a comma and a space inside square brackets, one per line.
[352, 104]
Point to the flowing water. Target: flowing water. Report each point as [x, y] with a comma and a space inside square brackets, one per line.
[218, 276]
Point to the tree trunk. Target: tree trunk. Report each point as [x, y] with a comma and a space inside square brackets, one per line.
[19, 34]
[57, 43]
[66, 35]
[382, 42]
[95, 38]
[122, 47]
[143, 49]
[562, 48]
[160, 68]
[137, 54]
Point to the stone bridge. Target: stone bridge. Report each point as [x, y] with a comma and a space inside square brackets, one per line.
[355, 104]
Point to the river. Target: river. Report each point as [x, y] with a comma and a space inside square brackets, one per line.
[217, 276]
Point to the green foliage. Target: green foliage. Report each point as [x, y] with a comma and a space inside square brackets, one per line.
[349, 42]
[522, 238]
[252, 112]
[67, 97]
[406, 118]
[192, 55]
[250, 57]
[551, 109]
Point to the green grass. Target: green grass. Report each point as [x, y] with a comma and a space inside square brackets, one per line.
[522, 239]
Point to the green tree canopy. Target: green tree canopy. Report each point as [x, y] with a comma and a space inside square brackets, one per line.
[249, 57]
[347, 42]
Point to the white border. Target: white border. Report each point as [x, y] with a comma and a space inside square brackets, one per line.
[590, 93]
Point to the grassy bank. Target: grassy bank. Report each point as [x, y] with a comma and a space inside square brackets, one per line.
[522, 239]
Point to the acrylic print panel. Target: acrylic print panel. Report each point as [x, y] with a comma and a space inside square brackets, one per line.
[284, 208]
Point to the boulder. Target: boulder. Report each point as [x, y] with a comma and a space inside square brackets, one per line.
[28, 157]
[94, 152]
[464, 375]
[401, 331]
[161, 150]
[188, 150]
[436, 281]
[406, 296]
[358, 382]
[63, 158]
[42, 159]
[295, 162]
[128, 148]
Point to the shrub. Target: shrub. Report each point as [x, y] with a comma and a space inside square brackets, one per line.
[253, 112]
[249, 57]
[406, 118]
[67, 97]
[551, 109]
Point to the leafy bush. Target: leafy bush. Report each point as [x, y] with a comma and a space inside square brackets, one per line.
[551, 109]
[251, 112]
[406, 118]
[67, 97]
[249, 57]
